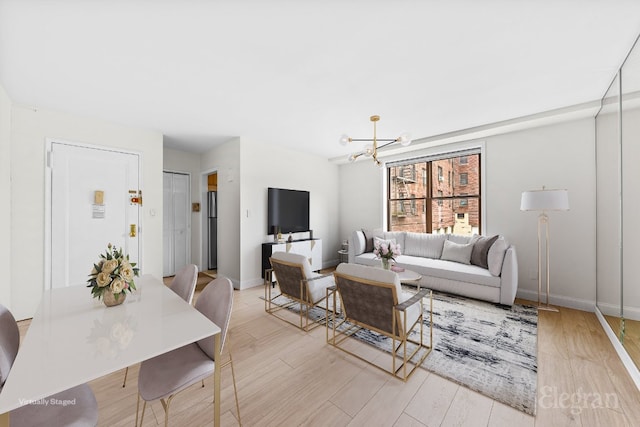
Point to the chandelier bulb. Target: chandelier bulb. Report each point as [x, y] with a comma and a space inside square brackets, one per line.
[368, 151]
[344, 139]
[352, 158]
[405, 139]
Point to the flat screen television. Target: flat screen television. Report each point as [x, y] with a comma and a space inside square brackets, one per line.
[288, 211]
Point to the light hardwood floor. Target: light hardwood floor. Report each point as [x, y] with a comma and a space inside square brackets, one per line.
[286, 377]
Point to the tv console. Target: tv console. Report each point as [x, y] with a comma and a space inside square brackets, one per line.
[311, 248]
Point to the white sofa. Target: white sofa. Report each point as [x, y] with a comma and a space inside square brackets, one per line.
[449, 263]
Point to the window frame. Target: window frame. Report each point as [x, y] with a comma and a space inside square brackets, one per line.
[429, 200]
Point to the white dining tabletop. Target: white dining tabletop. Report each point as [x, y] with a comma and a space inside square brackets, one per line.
[74, 339]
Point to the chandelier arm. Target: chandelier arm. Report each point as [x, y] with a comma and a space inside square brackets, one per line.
[371, 140]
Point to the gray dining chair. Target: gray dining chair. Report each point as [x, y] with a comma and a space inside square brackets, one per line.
[183, 284]
[83, 413]
[163, 377]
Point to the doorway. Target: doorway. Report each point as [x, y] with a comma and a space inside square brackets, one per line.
[176, 222]
[211, 230]
[93, 199]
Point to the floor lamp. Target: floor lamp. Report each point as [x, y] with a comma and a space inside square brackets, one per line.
[544, 200]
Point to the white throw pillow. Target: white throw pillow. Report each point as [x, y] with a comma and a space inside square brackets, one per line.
[496, 256]
[456, 252]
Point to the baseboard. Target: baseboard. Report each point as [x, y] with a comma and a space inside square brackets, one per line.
[562, 301]
[629, 365]
[249, 284]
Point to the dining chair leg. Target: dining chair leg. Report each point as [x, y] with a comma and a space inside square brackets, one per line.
[165, 405]
[144, 406]
[126, 371]
[235, 389]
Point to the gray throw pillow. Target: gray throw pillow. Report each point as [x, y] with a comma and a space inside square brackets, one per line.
[456, 252]
[480, 251]
[368, 239]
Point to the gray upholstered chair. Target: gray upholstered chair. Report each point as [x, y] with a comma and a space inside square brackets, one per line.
[166, 375]
[298, 283]
[372, 298]
[183, 284]
[83, 413]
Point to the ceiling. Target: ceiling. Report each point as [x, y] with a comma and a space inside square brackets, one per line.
[300, 73]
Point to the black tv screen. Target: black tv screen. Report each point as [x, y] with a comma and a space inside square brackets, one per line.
[288, 211]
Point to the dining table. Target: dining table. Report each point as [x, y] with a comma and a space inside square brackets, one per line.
[74, 338]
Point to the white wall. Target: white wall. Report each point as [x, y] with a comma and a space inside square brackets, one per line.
[268, 165]
[225, 159]
[608, 280]
[29, 130]
[184, 162]
[631, 204]
[5, 195]
[360, 197]
[557, 156]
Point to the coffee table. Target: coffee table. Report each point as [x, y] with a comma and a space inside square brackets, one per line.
[409, 277]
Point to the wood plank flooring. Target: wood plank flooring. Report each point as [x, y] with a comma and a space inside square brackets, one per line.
[286, 377]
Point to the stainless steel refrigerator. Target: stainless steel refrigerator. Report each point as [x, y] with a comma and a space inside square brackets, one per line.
[212, 229]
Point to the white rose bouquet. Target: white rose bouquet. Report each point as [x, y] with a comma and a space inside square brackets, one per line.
[113, 273]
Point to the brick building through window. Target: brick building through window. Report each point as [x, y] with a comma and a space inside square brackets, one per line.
[420, 199]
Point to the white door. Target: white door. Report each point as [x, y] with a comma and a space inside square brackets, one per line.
[176, 227]
[82, 225]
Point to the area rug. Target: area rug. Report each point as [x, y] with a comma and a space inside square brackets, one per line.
[486, 347]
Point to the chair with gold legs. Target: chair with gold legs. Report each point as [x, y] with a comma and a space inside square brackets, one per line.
[83, 411]
[164, 376]
[298, 283]
[183, 284]
[372, 298]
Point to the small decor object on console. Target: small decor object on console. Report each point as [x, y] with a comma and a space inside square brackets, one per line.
[386, 251]
[112, 277]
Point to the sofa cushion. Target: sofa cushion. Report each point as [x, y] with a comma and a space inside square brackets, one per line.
[456, 252]
[358, 243]
[481, 251]
[368, 258]
[496, 255]
[462, 239]
[445, 270]
[424, 245]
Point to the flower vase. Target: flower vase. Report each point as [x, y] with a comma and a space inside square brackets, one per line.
[385, 263]
[109, 299]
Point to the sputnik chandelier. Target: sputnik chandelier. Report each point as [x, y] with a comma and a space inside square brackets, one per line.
[372, 150]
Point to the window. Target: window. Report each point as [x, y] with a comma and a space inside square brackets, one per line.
[426, 205]
[464, 160]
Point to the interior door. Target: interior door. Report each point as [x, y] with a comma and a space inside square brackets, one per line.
[95, 201]
[176, 224]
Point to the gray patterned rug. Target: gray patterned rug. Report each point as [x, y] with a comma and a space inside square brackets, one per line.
[486, 347]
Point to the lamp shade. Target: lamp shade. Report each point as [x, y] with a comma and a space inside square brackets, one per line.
[545, 200]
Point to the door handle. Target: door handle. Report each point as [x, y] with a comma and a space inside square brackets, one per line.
[132, 230]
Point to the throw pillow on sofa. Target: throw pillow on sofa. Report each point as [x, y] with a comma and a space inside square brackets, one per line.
[369, 235]
[456, 252]
[480, 253]
[496, 256]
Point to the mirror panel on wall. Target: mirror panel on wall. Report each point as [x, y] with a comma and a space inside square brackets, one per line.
[608, 208]
[630, 133]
